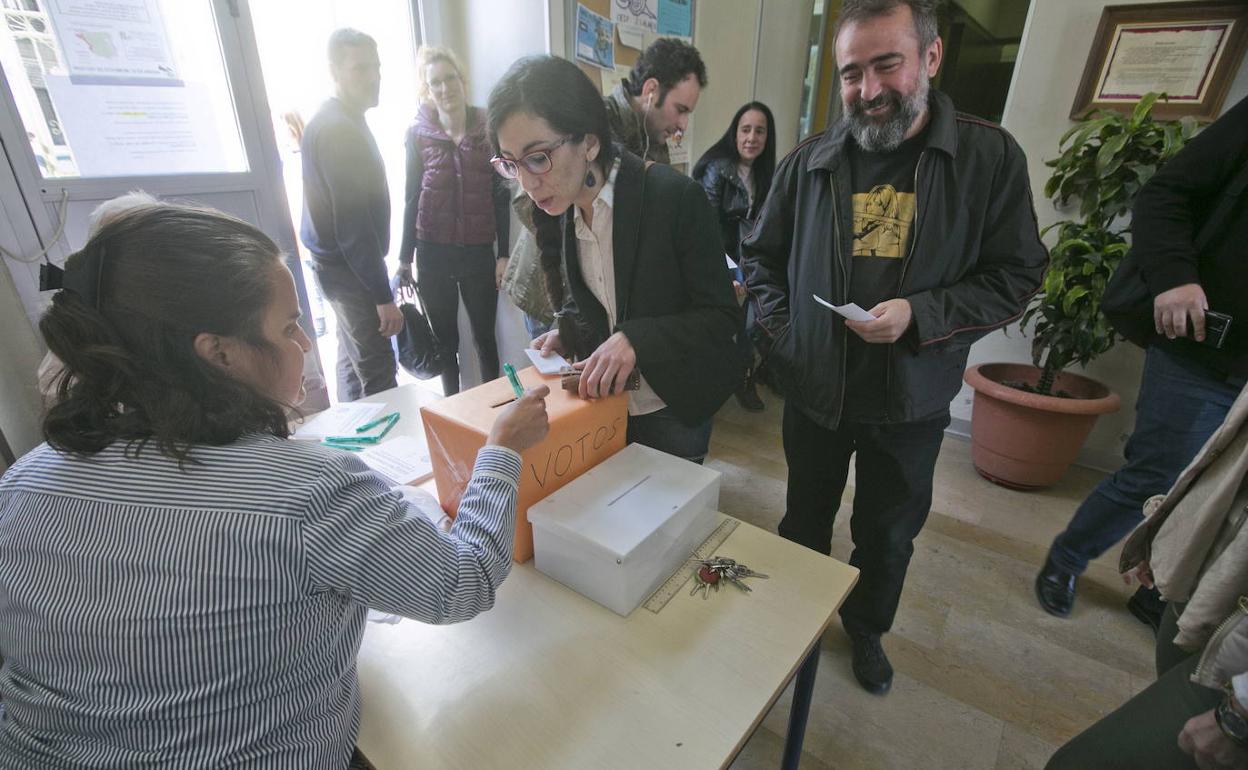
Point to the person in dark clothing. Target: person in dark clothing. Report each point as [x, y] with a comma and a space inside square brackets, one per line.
[654, 103]
[736, 174]
[923, 217]
[346, 218]
[1187, 387]
[456, 220]
[646, 288]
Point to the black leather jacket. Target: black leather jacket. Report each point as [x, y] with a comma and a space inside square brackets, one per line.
[975, 260]
[731, 201]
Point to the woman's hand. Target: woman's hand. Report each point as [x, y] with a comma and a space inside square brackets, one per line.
[607, 368]
[548, 343]
[500, 268]
[523, 423]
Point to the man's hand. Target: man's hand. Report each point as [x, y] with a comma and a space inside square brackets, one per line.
[740, 291]
[548, 343]
[523, 423]
[391, 319]
[404, 274]
[1141, 573]
[1204, 740]
[1172, 308]
[607, 368]
[500, 267]
[892, 318]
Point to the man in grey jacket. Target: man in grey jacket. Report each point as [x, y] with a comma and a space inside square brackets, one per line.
[922, 217]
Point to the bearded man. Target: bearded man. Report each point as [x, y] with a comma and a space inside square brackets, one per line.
[923, 217]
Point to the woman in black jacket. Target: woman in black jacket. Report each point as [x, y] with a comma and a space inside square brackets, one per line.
[736, 174]
[646, 286]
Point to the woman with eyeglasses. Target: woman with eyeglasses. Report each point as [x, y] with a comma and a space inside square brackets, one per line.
[736, 174]
[456, 218]
[648, 299]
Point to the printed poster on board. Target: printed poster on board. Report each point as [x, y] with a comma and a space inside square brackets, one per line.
[595, 39]
[114, 42]
[675, 18]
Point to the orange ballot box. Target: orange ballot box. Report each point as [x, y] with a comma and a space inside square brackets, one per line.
[582, 434]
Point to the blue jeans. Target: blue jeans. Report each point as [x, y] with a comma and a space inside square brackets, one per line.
[663, 431]
[1180, 405]
[535, 327]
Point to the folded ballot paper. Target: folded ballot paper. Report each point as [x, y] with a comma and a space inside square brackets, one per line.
[850, 311]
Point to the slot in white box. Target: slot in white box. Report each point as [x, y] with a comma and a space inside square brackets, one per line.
[618, 531]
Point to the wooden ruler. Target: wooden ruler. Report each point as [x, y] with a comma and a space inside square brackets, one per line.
[664, 593]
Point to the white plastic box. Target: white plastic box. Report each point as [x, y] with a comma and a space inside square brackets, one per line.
[618, 531]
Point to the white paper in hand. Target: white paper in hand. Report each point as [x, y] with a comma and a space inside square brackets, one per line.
[550, 364]
[850, 311]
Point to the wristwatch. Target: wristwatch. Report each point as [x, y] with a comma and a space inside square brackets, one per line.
[1233, 724]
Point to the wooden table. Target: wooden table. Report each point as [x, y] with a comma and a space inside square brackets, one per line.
[550, 679]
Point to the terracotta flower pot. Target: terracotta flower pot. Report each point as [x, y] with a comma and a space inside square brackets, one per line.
[1025, 440]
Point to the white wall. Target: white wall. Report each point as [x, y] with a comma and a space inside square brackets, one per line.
[1055, 46]
[745, 63]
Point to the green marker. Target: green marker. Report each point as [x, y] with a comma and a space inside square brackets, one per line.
[392, 417]
[515, 381]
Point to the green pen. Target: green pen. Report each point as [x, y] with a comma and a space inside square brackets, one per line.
[515, 381]
[393, 417]
[353, 439]
[347, 447]
[391, 421]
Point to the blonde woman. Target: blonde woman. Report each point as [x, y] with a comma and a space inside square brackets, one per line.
[455, 221]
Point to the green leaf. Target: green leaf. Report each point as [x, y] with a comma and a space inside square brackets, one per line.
[1109, 150]
[1144, 106]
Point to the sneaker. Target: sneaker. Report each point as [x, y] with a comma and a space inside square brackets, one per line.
[1055, 589]
[1146, 605]
[871, 666]
[748, 398]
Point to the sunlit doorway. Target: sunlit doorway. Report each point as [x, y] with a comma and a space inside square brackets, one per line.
[291, 36]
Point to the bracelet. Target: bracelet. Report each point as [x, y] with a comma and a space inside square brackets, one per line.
[1232, 724]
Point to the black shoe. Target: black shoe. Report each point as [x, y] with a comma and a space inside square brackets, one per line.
[871, 666]
[1055, 589]
[1146, 605]
[748, 398]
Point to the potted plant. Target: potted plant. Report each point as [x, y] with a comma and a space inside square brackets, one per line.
[1029, 422]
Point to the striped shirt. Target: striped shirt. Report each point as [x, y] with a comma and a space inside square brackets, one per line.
[210, 617]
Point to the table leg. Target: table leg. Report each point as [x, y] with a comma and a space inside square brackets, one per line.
[803, 688]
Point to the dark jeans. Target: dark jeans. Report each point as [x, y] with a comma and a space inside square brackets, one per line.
[744, 343]
[444, 274]
[366, 362]
[892, 496]
[1143, 733]
[1180, 405]
[664, 432]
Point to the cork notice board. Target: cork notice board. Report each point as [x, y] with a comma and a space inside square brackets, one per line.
[625, 54]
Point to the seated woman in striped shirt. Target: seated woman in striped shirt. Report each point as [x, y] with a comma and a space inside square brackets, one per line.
[180, 585]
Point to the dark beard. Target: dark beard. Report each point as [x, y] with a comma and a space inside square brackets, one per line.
[887, 136]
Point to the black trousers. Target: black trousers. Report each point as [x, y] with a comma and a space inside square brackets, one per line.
[444, 274]
[1143, 733]
[892, 496]
[366, 363]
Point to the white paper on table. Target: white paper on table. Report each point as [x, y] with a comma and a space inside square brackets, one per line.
[850, 311]
[339, 420]
[402, 459]
[550, 364]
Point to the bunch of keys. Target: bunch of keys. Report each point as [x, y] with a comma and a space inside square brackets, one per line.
[711, 572]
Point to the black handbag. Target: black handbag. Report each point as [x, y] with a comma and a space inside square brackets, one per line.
[415, 345]
[1128, 304]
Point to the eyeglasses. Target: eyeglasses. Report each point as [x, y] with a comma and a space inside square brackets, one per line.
[537, 163]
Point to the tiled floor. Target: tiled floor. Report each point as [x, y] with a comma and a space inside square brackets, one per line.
[985, 679]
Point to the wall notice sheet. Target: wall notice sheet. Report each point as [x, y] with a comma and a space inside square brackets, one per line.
[595, 39]
[114, 42]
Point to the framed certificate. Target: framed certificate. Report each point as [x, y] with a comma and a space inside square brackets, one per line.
[1189, 51]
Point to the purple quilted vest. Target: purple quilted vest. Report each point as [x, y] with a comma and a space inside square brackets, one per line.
[456, 198]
